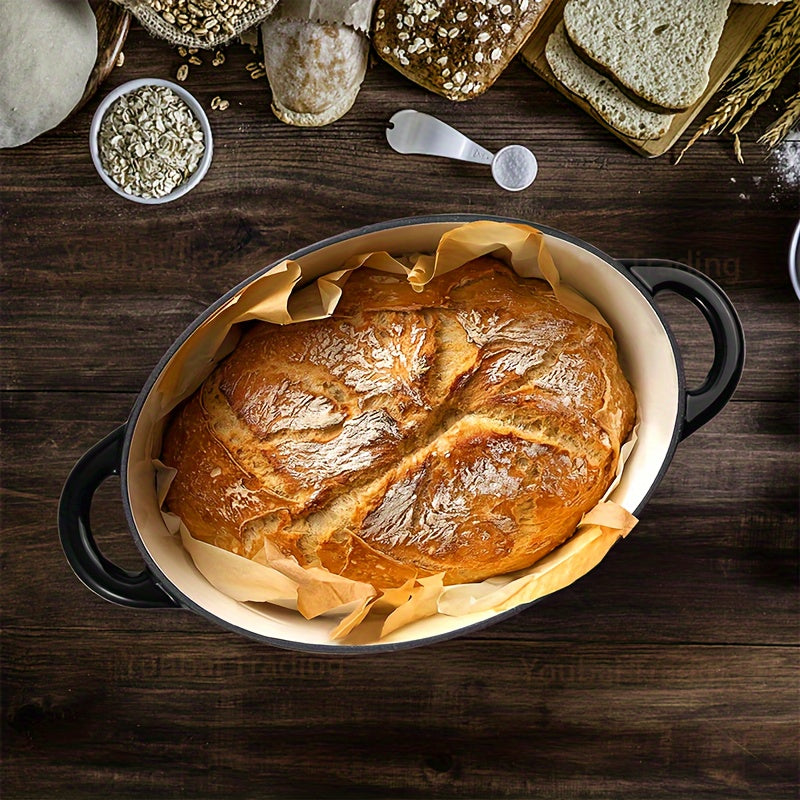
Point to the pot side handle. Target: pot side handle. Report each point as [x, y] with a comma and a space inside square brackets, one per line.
[708, 399]
[117, 585]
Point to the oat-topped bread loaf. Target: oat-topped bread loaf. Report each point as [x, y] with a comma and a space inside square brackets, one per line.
[456, 48]
[658, 51]
[463, 429]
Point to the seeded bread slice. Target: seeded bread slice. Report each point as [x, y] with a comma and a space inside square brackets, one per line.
[456, 48]
[606, 99]
[659, 51]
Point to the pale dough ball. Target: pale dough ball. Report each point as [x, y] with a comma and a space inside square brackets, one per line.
[47, 52]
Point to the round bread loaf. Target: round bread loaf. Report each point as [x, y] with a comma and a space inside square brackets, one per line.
[464, 429]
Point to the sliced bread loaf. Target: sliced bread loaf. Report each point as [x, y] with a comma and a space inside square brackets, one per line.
[616, 108]
[658, 50]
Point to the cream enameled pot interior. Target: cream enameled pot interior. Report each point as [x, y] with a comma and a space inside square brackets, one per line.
[647, 357]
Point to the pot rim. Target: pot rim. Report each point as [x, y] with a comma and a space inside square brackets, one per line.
[332, 648]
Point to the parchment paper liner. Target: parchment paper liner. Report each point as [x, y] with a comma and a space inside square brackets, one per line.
[271, 577]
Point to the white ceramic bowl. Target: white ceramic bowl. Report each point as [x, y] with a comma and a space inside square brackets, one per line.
[196, 109]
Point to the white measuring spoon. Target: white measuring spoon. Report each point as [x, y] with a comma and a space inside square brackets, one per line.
[514, 167]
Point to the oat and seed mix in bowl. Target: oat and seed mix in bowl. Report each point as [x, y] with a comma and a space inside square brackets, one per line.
[150, 142]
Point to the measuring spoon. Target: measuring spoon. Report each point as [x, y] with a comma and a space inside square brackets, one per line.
[514, 167]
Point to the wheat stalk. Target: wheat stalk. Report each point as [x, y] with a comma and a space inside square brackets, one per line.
[759, 72]
[765, 91]
[737, 148]
[782, 30]
[779, 129]
[767, 83]
[729, 108]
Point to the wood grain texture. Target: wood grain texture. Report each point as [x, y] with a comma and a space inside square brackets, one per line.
[546, 720]
[668, 672]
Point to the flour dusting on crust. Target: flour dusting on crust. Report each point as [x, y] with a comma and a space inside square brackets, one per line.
[463, 429]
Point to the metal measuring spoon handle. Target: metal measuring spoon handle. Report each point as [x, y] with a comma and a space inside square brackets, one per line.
[514, 167]
[414, 132]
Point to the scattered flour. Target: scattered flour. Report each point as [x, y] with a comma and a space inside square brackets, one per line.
[786, 165]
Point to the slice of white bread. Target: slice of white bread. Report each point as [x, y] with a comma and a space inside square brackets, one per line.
[616, 108]
[658, 50]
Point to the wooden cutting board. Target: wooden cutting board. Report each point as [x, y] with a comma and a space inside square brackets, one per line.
[113, 23]
[745, 23]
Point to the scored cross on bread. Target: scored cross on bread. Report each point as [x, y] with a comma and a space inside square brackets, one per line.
[463, 429]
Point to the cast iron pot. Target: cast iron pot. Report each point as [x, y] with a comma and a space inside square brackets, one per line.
[623, 290]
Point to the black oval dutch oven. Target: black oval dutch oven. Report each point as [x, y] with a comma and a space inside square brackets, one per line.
[623, 290]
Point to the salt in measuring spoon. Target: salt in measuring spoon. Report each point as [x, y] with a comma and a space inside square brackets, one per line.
[514, 167]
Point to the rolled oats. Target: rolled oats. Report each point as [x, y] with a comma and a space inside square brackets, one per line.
[150, 142]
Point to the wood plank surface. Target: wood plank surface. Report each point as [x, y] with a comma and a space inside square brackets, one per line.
[547, 720]
[670, 671]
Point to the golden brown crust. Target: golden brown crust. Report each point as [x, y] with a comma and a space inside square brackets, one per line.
[463, 429]
[456, 48]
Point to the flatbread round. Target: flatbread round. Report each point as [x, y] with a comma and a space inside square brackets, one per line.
[47, 52]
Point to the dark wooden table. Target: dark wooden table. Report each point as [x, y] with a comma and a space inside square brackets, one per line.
[670, 671]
